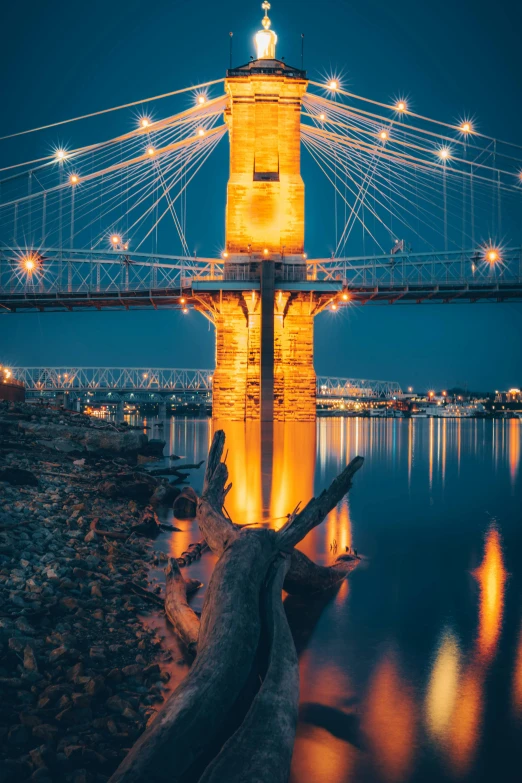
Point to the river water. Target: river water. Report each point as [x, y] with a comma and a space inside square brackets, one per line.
[413, 670]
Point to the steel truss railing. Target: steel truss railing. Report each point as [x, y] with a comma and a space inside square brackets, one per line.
[65, 271]
[152, 380]
[356, 387]
[117, 378]
[435, 268]
[59, 275]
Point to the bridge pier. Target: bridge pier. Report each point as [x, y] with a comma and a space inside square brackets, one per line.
[162, 410]
[264, 354]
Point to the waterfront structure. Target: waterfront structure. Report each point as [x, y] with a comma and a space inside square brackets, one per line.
[12, 388]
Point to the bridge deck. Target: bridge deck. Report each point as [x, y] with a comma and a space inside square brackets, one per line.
[461, 292]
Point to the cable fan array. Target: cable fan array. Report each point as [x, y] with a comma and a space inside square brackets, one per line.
[112, 194]
[410, 183]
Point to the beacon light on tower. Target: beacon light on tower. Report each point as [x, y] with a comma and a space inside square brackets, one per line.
[266, 39]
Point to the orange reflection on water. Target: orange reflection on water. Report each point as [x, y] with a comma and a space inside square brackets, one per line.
[389, 720]
[491, 576]
[467, 718]
[339, 527]
[443, 687]
[431, 443]
[319, 754]
[271, 469]
[293, 468]
[243, 443]
[411, 434]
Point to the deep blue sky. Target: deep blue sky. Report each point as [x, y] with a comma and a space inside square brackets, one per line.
[59, 59]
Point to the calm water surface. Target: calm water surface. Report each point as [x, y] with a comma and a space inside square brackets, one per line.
[413, 670]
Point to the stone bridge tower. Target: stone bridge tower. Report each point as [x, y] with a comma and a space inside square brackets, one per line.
[264, 323]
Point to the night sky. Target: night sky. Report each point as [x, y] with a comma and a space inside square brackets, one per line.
[60, 59]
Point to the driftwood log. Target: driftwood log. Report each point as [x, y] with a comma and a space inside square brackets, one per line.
[233, 717]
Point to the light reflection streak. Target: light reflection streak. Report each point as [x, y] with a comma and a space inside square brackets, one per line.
[339, 527]
[491, 577]
[443, 686]
[389, 720]
[411, 435]
[467, 718]
[514, 448]
[294, 468]
[332, 759]
[454, 702]
[467, 723]
[444, 449]
[459, 444]
[244, 501]
[430, 457]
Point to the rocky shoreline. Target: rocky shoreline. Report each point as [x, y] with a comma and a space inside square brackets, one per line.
[81, 673]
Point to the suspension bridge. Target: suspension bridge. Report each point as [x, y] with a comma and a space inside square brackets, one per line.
[434, 207]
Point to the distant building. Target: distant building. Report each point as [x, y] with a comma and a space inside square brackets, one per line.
[10, 389]
[513, 395]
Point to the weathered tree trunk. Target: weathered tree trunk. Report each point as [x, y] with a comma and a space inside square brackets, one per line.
[261, 749]
[182, 618]
[242, 615]
[229, 634]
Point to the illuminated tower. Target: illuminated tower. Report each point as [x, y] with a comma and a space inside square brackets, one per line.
[264, 325]
[265, 197]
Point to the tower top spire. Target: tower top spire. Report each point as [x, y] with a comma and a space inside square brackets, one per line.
[266, 39]
[266, 20]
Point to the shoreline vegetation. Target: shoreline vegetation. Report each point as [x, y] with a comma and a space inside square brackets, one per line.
[84, 673]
